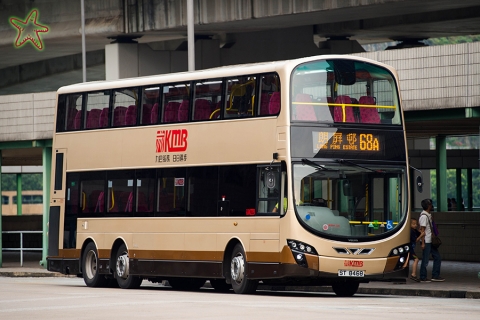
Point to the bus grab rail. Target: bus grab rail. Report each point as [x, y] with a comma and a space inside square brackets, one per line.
[21, 249]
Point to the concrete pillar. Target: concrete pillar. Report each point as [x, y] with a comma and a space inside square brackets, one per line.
[121, 60]
[441, 153]
[458, 195]
[19, 194]
[47, 170]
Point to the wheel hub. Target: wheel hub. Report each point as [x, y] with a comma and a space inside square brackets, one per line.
[122, 266]
[237, 268]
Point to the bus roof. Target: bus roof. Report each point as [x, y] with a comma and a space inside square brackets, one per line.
[218, 72]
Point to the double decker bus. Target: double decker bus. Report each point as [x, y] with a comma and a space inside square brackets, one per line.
[280, 173]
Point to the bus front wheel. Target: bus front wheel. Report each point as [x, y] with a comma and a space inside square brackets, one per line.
[345, 289]
[90, 267]
[240, 283]
[122, 270]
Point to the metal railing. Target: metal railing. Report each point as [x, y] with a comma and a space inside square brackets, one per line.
[21, 249]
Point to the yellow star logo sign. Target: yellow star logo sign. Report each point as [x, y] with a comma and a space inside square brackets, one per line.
[29, 30]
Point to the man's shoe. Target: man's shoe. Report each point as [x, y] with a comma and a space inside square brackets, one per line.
[438, 279]
[425, 281]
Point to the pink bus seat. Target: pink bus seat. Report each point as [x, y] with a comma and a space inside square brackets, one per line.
[72, 113]
[131, 115]
[154, 114]
[171, 112]
[264, 103]
[119, 116]
[304, 112]
[103, 119]
[202, 110]
[93, 118]
[274, 103]
[368, 115]
[338, 113]
[147, 112]
[78, 120]
[183, 111]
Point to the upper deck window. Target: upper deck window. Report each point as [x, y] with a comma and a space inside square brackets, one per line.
[344, 91]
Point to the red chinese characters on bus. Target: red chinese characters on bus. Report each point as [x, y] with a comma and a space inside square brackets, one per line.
[172, 140]
[353, 263]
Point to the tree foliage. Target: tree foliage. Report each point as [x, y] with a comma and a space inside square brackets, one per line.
[32, 181]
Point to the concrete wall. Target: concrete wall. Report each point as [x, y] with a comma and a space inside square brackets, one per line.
[27, 116]
[460, 234]
[437, 77]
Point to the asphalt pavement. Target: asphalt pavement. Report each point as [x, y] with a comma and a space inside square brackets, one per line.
[462, 279]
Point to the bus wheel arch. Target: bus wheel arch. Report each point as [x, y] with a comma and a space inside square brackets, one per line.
[89, 266]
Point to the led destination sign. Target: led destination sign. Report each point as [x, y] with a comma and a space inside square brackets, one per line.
[347, 141]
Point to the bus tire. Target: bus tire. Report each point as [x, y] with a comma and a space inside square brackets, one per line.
[122, 270]
[220, 285]
[90, 272]
[240, 283]
[186, 284]
[345, 289]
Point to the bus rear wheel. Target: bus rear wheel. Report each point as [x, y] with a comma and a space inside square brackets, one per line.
[240, 283]
[345, 289]
[122, 270]
[90, 272]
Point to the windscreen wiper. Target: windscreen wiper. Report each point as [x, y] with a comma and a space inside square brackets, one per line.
[316, 165]
[351, 163]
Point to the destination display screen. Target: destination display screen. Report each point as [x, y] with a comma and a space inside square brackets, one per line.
[345, 141]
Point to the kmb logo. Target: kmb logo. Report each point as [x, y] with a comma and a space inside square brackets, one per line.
[172, 140]
[353, 263]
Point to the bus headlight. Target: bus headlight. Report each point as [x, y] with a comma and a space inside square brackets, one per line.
[402, 253]
[299, 249]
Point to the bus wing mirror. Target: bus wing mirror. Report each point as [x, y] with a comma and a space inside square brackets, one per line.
[419, 184]
[271, 181]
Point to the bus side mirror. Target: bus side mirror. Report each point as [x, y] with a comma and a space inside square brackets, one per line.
[271, 180]
[419, 184]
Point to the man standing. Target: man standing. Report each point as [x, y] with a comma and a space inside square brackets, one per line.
[425, 221]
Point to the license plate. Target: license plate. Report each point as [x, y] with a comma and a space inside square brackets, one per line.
[351, 273]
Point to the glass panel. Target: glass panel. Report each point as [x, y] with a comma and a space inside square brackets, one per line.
[97, 109]
[349, 199]
[149, 113]
[171, 192]
[176, 104]
[207, 103]
[74, 204]
[145, 182]
[125, 100]
[120, 194]
[269, 100]
[4, 199]
[236, 190]
[240, 97]
[344, 91]
[202, 191]
[269, 191]
[92, 193]
[69, 112]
